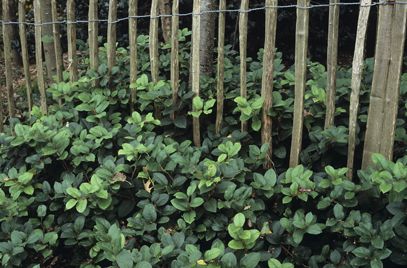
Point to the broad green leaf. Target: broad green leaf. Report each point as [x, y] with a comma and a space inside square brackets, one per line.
[181, 205]
[196, 202]
[25, 178]
[41, 211]
[239, 220]
[251, 260]
[212, 254]
[71, 203]
[229, 260]
[160, 178]
[297, 236]
[234, 244]
[149, 213]
[361, 252]
[314, 229]
[125, 259]
[258, 103]
[375, 263]
[274, 263]
[81, 205]
[75, 193]
[338, 211]
[189, 216]
[143, 264]
[35, 236]
[197, 103]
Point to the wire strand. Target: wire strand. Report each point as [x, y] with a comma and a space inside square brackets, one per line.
[311, 6]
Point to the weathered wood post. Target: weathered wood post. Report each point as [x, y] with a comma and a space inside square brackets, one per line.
[267, 79]
[133, 48]
[57, 42]
[175, 55]
[398, 36]
[71, 32]
[154, 58]
[111, 37]
[38, 56]
[93, 33]
[243, 20]
[220, 72]
[332, 61]
[301, 48]
[196, 67]
[384, 96]
[7, 57]
[24, 52]
[357, 71]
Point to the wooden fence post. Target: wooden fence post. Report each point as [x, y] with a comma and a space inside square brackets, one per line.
[243, 19]
[38, 56]
[1, 114]
[220, 73]
[164, 7]
[93, 33]
[267, 79]
[332, 61]
[154, 41]
[111, 37]
[357, 71]
[24, 53]
[301, 48]
[71, 32]
[133, 48]
[373, 136]
[48, 40]
[57, 42]
[398, 35]
[7, 58]
[196, 66]
[175, 56]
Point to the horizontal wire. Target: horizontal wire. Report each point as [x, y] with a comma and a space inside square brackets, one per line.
[382, 2]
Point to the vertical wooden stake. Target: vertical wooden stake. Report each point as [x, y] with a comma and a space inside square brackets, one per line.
[174, 55]
[154, 41]
[301, 48]
[243, 18]
[373, 136]
[220, 74]
[57, 42]
[111, 36]
[38, 56]
[93, 33]
[164, 7]
[133, 48]
[7, 57]
[71, 32]
[267, 79]
[24, 53]
[332, 61]
[196, 66]
[48, 40]
[398, 36]
[1, 115]
[357, 71]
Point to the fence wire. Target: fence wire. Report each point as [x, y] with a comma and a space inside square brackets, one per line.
[311, 6]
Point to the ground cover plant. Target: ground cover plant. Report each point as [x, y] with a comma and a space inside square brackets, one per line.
[100, 183]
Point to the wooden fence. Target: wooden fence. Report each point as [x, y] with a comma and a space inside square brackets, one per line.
[391, 32]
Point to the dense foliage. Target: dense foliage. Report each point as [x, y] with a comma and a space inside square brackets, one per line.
[94, 184]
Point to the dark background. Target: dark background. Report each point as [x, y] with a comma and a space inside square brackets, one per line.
[285, 28]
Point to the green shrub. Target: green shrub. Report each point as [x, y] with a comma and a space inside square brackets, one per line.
[93, 184]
